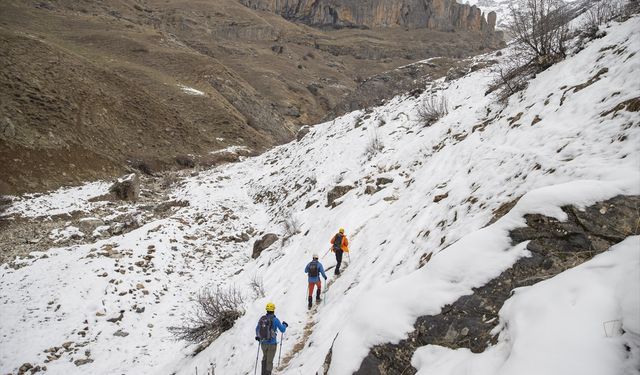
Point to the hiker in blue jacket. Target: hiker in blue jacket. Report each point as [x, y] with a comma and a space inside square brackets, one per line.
[266, 334]
[314, 269]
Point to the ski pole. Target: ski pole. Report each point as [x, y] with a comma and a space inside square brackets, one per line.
[255, 369]
[279, 353]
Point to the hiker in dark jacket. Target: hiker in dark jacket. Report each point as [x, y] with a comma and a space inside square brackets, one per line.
[339, 245]
[314, 269]
[266, 334]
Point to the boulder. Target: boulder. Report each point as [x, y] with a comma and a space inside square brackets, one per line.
[337, 192]
[302, 132]
[263, 243]
[126, 188]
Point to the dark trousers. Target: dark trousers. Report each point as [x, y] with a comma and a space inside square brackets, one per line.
[338, 259]
[268, 353]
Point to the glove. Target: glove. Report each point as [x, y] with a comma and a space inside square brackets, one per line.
[325, 278]
[285, 324]
[257, 338]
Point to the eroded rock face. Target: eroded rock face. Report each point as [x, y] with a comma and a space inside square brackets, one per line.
[433, 14]
[263, 243]
[337, 192]
[555, 246]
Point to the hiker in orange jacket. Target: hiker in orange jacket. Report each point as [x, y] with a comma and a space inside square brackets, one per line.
[339, 245]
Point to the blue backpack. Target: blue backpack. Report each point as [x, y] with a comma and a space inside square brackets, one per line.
[337, 242]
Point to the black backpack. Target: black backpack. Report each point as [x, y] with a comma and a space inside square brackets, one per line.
[313, 269]
[337, 242]
[265, 328]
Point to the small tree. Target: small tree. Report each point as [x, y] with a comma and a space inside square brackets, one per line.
[432, 109]
[540, 29]
[214, 312]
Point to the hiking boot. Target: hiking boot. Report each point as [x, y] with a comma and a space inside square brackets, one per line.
[318, 299]
[310, 303]
[337, 272]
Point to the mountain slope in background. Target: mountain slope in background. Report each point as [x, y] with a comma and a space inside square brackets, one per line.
[415, 201]
[91, 87]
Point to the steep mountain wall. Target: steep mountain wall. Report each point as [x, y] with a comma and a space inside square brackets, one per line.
[432, 14]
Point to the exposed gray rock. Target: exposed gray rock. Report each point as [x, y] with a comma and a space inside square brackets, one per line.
[84, 361]
[263, 243]
[126, 188]
[302, 132]
[337, 192]
[555, 246]
[381, 181]
[121, 333]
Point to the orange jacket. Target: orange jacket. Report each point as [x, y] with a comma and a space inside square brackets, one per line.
[344, 245]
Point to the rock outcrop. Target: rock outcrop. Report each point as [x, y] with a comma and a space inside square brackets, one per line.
[555, 246]
[260, 245]
[442, 15]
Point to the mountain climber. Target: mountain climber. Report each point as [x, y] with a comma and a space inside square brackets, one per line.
[340, 245]
[314, 269]
[266, 334]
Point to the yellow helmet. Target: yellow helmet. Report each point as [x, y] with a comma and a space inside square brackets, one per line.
[271, 307]
[341, 230]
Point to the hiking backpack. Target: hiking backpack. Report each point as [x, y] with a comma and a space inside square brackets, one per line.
[313, 269]
[265, 328]
[337, 242]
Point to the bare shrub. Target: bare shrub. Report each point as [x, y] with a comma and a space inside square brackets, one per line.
[511, 76]
[540, 29]
[374, 145]
[257, 286]
[601, 12]
[214, 312]
[432, 109]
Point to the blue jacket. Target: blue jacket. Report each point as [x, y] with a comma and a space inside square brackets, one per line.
[276, 324]
[315, 279]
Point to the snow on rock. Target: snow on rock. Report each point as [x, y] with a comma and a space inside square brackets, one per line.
[574, 323]
[553, 144]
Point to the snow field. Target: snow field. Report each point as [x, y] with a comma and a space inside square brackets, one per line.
[573, 155]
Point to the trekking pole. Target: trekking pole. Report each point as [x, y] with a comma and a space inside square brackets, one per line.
[280, 352]
[255, 369]
[325, 254]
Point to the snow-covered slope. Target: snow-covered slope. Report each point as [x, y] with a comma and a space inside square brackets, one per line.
[552, 144]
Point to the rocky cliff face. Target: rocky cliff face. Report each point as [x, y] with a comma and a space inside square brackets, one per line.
[433, 14]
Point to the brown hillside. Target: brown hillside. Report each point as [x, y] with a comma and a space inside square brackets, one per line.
[90, 87]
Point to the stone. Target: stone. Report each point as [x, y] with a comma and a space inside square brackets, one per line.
[337, 192]
[126, 188]
[302, 132]
[440, 197]
[370, 189]
[381, 181]
[260, 245]
[84, 361]
[25, 367]
[67, 344]
[121, 333]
